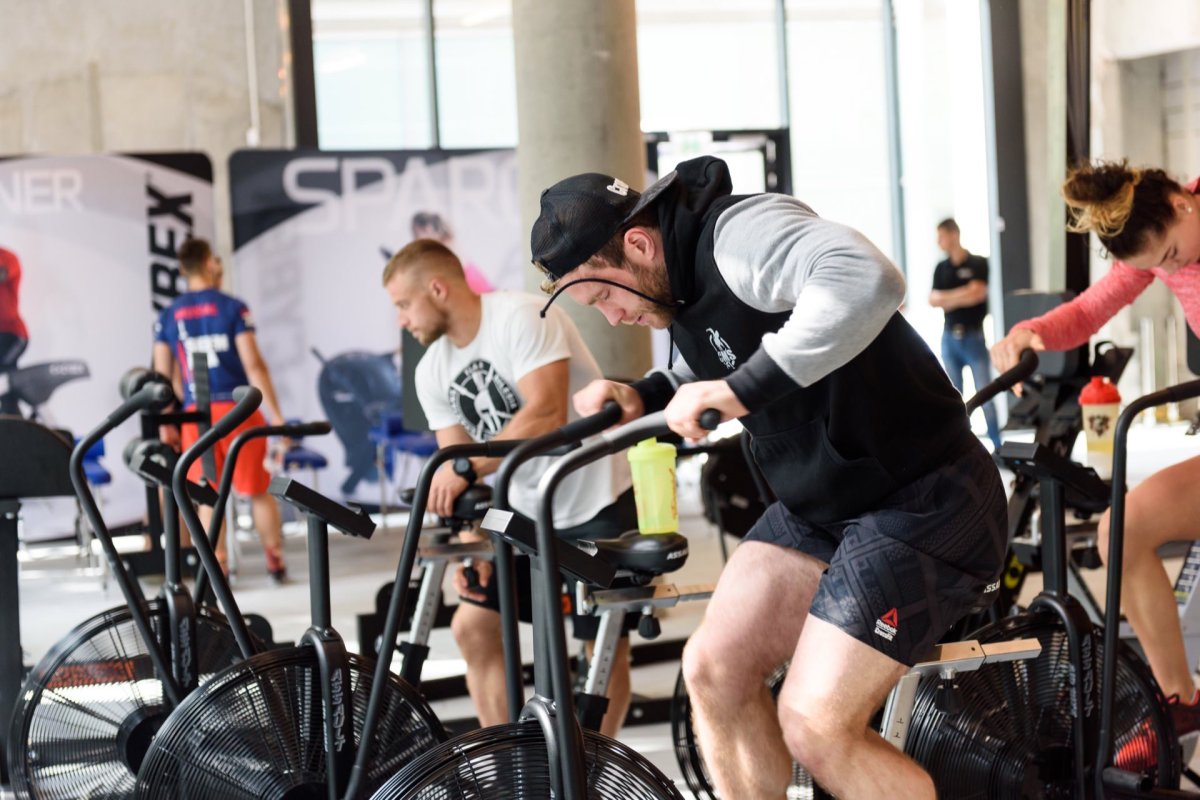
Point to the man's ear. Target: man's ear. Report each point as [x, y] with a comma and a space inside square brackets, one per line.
[438, 288]
[639, 243]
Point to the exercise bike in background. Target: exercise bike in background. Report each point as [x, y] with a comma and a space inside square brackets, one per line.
[1086, 719]
[31, 386]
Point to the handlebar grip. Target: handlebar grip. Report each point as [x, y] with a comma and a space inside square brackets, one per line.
[246, 400]
[298, 430]
[608, 415]
[1026, 365]
[709, 419]
[155, 449]
[153, 397]
[138, 378]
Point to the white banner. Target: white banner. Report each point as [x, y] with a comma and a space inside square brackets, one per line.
[313, 232]
[95, 237]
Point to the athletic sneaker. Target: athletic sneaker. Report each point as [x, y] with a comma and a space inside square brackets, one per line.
[276, 568]
[1186, 716]
[1140, 752]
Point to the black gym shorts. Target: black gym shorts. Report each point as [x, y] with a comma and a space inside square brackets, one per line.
[899, 576]
[609, 523]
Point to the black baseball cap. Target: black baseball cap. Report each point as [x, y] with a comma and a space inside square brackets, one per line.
[579, 214]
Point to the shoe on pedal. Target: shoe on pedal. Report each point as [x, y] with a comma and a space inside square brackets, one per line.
[1140, 751]
[1186, 716]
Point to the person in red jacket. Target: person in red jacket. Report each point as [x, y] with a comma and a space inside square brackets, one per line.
[1150, 224]
[14, 337]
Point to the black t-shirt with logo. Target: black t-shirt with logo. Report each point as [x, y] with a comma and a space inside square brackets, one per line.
[947, 276]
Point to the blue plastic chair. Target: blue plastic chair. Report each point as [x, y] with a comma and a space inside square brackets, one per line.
[300, 457]
[390, 438]
[96, 473]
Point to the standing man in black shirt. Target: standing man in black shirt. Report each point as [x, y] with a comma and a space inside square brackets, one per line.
[960, 288]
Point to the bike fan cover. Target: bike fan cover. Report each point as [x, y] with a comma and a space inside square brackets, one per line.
[507, 762]
[256, 732]
[1012, 735]
[90, 709]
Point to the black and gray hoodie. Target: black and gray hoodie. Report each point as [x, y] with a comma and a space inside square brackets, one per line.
[799, 314]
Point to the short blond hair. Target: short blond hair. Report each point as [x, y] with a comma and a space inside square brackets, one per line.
[423, 257]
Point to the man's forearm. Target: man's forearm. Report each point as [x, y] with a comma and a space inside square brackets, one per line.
[963, 297]
[525, 424]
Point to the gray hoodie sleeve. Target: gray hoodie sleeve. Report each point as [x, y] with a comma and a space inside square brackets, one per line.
[777, 255]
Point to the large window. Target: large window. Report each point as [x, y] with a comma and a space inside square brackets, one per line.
[838, 108]
[711, 65]
[372, 74]
[708, 65]
[476, 77]
[944, 152]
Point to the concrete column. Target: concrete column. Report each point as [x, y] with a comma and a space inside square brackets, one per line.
[1043, 59]
[578, 111]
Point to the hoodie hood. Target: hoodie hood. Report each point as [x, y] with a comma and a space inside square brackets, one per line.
[683, 213]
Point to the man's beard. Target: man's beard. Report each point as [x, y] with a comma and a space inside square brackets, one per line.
[653, 281]
[430, 335]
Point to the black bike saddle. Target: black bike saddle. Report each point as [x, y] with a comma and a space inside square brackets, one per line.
[650, 554]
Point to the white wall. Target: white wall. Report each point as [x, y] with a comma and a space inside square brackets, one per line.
[1140, 28]
[1146, 108]
[127, 75]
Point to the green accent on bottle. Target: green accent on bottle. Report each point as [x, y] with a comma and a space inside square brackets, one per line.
[652, 465]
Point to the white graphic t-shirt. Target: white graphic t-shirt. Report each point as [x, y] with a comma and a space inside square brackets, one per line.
[476, 387]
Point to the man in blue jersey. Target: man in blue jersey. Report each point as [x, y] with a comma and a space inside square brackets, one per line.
[206, 321]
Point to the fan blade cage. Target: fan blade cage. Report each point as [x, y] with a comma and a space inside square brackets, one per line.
[89, 709]
[257, 731]
[1013, 736]
[509, 761]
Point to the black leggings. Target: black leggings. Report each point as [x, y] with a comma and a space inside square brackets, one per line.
[11, 348]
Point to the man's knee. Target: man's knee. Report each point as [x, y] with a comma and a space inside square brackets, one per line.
[714, 663]
[475, 630]
[811, 739]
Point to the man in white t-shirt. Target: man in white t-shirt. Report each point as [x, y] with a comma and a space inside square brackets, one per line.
[495, 369]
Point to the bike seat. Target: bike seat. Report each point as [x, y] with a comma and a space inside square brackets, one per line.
[35, 383]
[470, 506]
[648, 555]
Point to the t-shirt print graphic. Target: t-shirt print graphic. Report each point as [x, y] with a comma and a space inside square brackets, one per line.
[482, 400]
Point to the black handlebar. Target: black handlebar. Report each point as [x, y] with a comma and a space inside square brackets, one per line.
[1024, 368]
[507, 449]
[138, 378]
[298, 430]
[247, 400]
[608, 415]
[147, 397]
[152, 460]
[225, 487]
[347, 520]
[1115, 559]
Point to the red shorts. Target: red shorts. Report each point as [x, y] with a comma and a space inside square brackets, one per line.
[250, 477]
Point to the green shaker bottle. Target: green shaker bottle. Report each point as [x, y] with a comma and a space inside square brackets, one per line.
[652, 465]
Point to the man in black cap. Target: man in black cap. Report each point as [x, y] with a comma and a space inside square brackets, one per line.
[891, 521]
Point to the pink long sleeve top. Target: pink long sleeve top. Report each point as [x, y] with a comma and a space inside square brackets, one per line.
[1073, 323]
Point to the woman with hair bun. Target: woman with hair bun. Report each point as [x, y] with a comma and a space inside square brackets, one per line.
[1150, 225]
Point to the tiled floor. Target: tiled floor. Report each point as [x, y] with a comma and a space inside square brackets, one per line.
[56, 594]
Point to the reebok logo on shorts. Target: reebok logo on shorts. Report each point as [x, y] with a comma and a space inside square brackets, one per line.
[888, 625]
